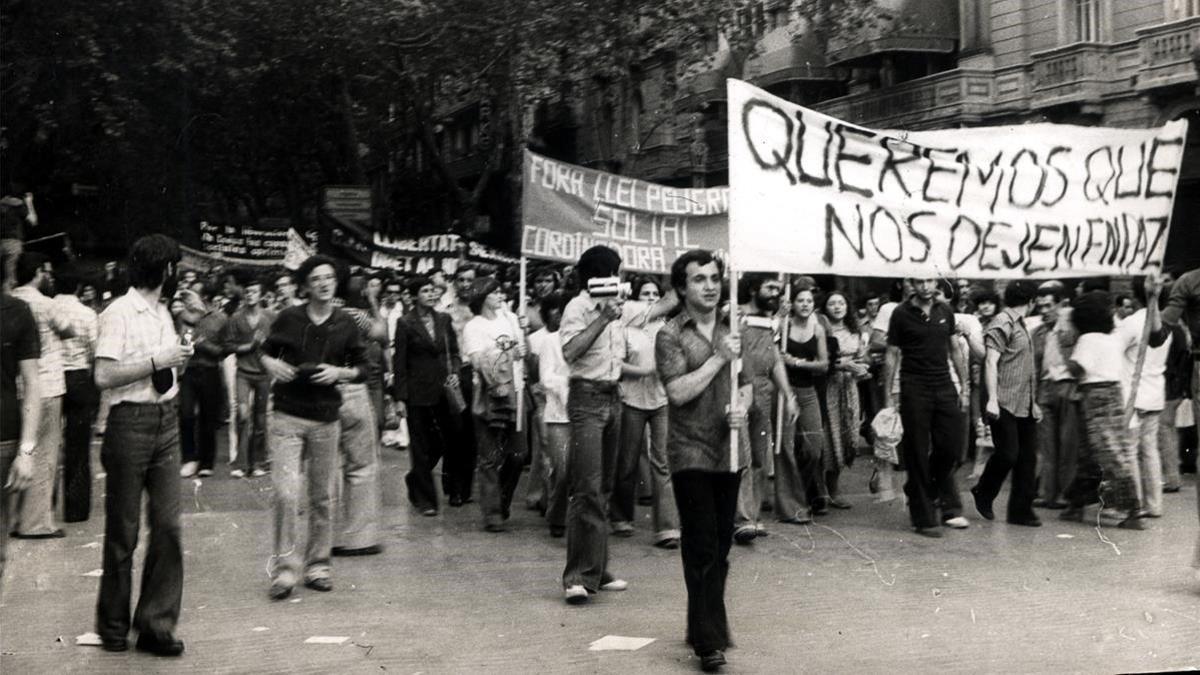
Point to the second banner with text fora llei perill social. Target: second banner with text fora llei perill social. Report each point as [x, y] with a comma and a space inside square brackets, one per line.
[566, 209]
[812, 194]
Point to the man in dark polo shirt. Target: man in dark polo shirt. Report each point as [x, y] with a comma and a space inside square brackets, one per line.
[931, 409]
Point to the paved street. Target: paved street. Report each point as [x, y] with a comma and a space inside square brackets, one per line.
[855, 593]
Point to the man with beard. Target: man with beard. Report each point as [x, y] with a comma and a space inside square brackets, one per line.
[138, 355]
[920, 346]
[35, 513]
[765, 370]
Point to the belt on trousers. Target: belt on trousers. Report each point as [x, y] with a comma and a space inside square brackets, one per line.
[601, 385]
[134, 405]
[1096, 385]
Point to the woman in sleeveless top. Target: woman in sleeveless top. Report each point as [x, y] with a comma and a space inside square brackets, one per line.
[797, 469]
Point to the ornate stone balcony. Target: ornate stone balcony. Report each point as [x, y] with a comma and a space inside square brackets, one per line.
[937, 101]
[1167, 54]
[1075, 74]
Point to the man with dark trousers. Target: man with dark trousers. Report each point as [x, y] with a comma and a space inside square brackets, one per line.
[1012, 410]
[919, 344]
[138, 359]
[693, 352]
[82, 400]
[425, 360]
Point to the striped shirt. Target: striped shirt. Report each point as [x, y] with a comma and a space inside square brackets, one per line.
[50, 324]
[131, 331]
[1016, 374]
[79, 352]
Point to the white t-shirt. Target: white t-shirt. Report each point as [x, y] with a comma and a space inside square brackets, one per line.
[482, 341]
[1152, 385]
[554, 374]
[1100, 355]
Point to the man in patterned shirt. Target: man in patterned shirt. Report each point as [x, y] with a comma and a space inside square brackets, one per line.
[1012, 410]
[82, 399]
[35, 515]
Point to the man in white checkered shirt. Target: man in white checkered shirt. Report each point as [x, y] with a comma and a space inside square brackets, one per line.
[138, 359]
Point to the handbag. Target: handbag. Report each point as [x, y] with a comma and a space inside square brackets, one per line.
[454, 396]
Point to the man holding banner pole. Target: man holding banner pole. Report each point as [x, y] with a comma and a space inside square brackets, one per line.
[920, 345]
[696, 355]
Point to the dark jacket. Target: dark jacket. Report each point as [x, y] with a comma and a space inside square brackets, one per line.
[296, 340]
[419, 359]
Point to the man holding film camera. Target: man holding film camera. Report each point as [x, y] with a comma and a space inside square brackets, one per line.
[593, 339]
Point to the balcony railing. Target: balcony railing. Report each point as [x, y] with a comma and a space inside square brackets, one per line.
[956, 96]
[1075, 73]
[1167, 54]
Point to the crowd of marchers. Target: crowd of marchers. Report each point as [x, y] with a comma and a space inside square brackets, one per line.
[616, 391]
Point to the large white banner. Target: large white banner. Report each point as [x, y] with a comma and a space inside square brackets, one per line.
[811, 194]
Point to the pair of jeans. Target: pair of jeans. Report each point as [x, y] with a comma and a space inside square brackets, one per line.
[8, 452]
[1145, 462]
[80, 404]
[1059, 434]
[501, 457]
[594, 409]
[1168, 445]
[634, 422]
[798, 464]
[253, 397]
[458, 466]
[557, 441]
[760, 429]
[707, 502]
[930, 448]
[359, 507]
[433, 432]
[140, 454]
[1015, 440]
[35, 510]
[292, 440]
[202, 404]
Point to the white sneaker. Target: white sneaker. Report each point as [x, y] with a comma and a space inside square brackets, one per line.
[575, 595]
[615, 585]
[237, 473]
[957, 522]
[258, 473]
[188, 469]
[205, 473]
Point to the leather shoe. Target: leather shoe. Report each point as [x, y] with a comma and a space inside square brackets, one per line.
[1029, 521]
[160, 645]
[52, 534]
[983, 506]
[745, 535]
[114, 644]
[1072, 514]
[557, 531]
[712, 661]
[931, 532]
[373, 549]
[456, 501]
